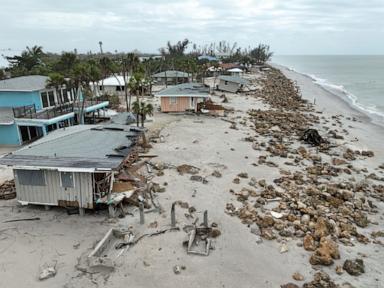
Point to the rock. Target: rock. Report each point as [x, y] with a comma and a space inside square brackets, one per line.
[216, 174]
[243, 175]
[268, 234]
[289, 285]
[361, 219]
[309, 243]
[354, 267]
[47, 272]
[320, 280]
[367, 153]
[297, 276]
[283, 248]
[176, 269]
[196, 178]
[305, 219]
[337, 161]
[327, 251]
[255, 229]
[236, 180]
[321, 228]
[267, 221]
[339, 270]
[276, 215]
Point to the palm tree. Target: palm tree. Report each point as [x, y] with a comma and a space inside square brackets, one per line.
[142, 110]
[136, 108]
[146, 109]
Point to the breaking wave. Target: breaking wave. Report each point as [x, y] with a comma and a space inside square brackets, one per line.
[339, 90]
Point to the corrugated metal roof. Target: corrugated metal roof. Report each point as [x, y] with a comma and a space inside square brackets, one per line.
[171, 74]
[186, 89]
[234, 79]
[6, 116]
[24, 83]
[81, 146]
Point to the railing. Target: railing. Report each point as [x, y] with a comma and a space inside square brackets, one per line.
[29, 111]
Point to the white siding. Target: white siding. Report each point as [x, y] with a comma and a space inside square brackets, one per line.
[53, 194]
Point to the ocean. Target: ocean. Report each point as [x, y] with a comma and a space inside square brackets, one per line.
[357, 79]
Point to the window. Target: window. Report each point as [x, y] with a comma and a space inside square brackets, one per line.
[172, 100]
[31, 177]
[67, 180]
[51, 97]
[48, 99]
[65, 95]
[226, 83]
[44, 99]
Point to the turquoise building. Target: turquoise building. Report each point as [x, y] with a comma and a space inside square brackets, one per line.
[29, 110]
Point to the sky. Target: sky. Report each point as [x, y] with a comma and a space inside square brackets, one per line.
[288, 26]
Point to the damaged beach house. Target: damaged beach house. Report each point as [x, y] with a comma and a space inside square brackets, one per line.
[231, 84]
[183, 97]
[171, 77]
[73, 167]
[30, 110]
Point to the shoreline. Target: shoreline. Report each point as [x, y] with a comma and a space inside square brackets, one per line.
[373, 117]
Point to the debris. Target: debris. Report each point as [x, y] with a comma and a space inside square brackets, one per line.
[8, 190]
[312, 136]
[22, 219]
[187, 169]
[339, 270]
[327, 251]
[309, 243]
[243, 175]
[354, 267]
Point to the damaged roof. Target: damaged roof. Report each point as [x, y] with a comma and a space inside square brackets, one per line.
[171, 74]
[234, 79]
[24, 83]
[82, 146]
[186, 89]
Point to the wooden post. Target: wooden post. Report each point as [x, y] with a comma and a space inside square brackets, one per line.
[173, 216]
[206, 218]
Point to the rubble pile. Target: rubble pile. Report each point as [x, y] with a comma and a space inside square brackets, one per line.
[314, 204]
[8, 190]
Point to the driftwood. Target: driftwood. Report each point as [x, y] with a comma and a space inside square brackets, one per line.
[22, 219]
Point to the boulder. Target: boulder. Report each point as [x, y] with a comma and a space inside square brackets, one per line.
[354, 267]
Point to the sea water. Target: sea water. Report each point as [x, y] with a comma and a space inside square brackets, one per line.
[358, 79]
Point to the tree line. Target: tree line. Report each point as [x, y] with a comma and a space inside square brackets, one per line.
[79, 70]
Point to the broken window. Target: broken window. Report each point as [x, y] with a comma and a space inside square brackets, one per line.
[67, 180]
[31, 177]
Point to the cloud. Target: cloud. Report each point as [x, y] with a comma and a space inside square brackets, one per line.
[148, 24]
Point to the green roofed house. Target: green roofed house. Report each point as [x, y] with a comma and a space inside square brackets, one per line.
[183, 97]
[172, 77]
[231, 83]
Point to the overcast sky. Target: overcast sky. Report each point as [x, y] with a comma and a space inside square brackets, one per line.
[289, 26]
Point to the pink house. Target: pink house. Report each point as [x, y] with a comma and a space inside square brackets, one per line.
[183, 97]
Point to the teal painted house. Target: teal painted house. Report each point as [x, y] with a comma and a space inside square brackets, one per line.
[29, 110]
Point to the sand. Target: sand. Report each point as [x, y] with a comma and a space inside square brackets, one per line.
[237, 261]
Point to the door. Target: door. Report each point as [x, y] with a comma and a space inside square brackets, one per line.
[193, 103]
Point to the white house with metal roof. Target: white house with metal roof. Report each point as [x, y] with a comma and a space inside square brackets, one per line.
[231, 83]
[71, 167]
[30, 110]
[183, 97]
[171, 77]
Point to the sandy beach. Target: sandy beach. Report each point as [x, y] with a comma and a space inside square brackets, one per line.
[228, 153]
